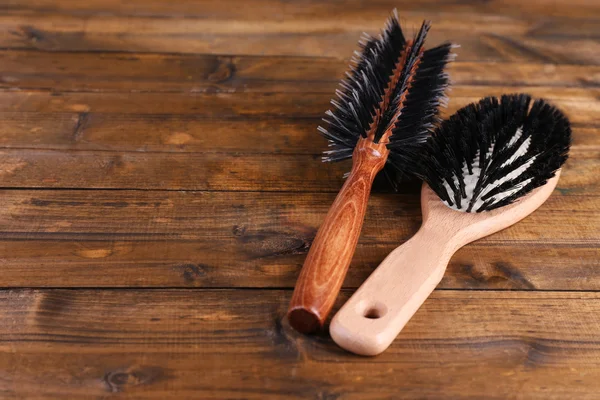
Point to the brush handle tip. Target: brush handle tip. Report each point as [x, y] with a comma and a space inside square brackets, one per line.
[304, 321]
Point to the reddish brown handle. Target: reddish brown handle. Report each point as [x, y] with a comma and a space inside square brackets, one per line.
[332, 249]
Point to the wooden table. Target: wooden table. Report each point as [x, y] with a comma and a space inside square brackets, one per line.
[161, 185]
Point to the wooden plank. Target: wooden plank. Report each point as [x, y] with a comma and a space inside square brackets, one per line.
[170, 133]
[250, 122]
[60, 71]
[564, 219]
[582, 109]
[580, 104]
[273, 260]
[241, 122]
[179, 239]
[226, 344]
[24, 168]
[314, 9]
[484, 36]
[184, 133]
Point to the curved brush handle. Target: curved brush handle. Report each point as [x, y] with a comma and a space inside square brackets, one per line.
[333, 247]
[370, 321]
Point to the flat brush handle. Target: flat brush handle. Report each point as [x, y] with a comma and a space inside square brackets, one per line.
[373, 317]
[333, 247]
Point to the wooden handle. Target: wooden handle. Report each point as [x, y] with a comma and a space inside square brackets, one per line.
[333, 247]
[368, 323]
[373, 317]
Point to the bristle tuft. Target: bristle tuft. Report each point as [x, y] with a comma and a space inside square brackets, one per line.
[361, 92]
[392, 93]
[427, 94]
[491, 153]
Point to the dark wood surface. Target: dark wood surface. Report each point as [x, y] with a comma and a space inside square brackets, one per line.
[161, 185]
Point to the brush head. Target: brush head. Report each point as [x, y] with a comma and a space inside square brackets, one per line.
[391, 95]
[491, 153]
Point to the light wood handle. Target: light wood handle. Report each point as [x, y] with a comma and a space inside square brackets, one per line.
[370, 321]
[333, 247]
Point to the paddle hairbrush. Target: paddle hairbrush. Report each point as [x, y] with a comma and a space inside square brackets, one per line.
[487, 167]
[381, 119]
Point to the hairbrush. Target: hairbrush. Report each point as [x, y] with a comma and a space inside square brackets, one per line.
[487, 167]
[382, 117]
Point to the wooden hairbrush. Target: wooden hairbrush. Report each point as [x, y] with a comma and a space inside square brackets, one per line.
[381, 119]
[487, 167]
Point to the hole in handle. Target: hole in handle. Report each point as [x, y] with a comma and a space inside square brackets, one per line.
[375, 311]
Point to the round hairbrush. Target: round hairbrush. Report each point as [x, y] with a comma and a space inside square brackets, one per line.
[487, 167]
[381, 119]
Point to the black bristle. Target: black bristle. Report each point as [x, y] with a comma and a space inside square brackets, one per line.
[364, 87]
[385, 98]
[504, 147]
[420, 109]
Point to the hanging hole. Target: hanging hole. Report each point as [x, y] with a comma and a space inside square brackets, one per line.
[372, 313]
[375, 311]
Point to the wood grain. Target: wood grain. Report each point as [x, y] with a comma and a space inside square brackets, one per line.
[273, 259]
[314, 9]
[484, 36]
[227, 343]
[143, 72]
[170, 73]
[178, 239]
[240, 104]
[155, 99]
[194, 215]
[186, 133]
[25, 168]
